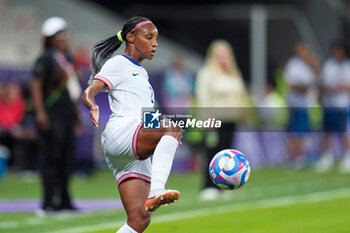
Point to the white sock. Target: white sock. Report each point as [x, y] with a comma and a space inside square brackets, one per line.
[162, 161]
[126, 229]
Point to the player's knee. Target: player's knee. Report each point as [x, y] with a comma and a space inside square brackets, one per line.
[174, 131]
[177, 128]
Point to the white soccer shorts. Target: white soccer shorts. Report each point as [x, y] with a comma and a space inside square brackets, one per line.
[119, 146]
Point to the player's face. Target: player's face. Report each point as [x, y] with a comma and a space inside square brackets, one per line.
[146, 41]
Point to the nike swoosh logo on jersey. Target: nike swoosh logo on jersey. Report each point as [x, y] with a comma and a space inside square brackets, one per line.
[134, 74]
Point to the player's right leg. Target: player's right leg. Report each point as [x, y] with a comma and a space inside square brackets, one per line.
[162, 144]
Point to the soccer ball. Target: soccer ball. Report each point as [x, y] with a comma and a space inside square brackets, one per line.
[229, 169]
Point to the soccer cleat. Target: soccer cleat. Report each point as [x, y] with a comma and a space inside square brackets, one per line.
[164, 198]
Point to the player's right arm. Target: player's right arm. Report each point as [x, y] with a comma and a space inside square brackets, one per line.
[88, 99]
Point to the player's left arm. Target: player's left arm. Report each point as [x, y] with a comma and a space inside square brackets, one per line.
[88, 99]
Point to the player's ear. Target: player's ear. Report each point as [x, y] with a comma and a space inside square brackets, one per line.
[130, 37]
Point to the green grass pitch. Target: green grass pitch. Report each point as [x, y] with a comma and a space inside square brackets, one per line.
[273, 200]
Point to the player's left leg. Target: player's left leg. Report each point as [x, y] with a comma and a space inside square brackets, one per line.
[134, 193]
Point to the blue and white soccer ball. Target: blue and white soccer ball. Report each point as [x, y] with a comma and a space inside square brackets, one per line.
[229, 169]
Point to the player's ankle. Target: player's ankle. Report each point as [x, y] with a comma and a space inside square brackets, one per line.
[156, 191]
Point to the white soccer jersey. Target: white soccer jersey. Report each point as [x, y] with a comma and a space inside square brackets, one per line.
[333, 75]
[129, 88]
[299, 73]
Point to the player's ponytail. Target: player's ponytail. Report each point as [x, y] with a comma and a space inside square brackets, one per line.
[102, 50]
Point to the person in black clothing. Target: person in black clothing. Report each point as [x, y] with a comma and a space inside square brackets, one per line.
[54, 90]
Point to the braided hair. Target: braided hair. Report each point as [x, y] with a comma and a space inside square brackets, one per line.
[104, 49]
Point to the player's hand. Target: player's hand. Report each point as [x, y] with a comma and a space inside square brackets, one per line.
[179, 136]
[43, 120]
[94, 115]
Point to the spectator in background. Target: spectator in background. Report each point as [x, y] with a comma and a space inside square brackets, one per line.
[12, 111]
[82, 57]
[54, 90]
[177, 98]
[12, 106]
[178, 85]
[219, 84]
[335, 78]
[301, 72]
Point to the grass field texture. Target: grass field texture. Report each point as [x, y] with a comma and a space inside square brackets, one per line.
[273, 200]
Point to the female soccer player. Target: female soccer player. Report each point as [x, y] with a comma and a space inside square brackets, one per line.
[126, 144]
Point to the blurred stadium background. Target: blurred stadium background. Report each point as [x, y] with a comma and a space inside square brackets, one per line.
[263, 34]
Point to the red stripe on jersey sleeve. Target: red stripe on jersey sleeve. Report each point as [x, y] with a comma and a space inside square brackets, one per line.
[105, 80]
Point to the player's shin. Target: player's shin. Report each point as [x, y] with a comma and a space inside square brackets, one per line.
[162, 161]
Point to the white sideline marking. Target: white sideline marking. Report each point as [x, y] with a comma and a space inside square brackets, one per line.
[253, 192]
[261, 204]
[91, 228]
